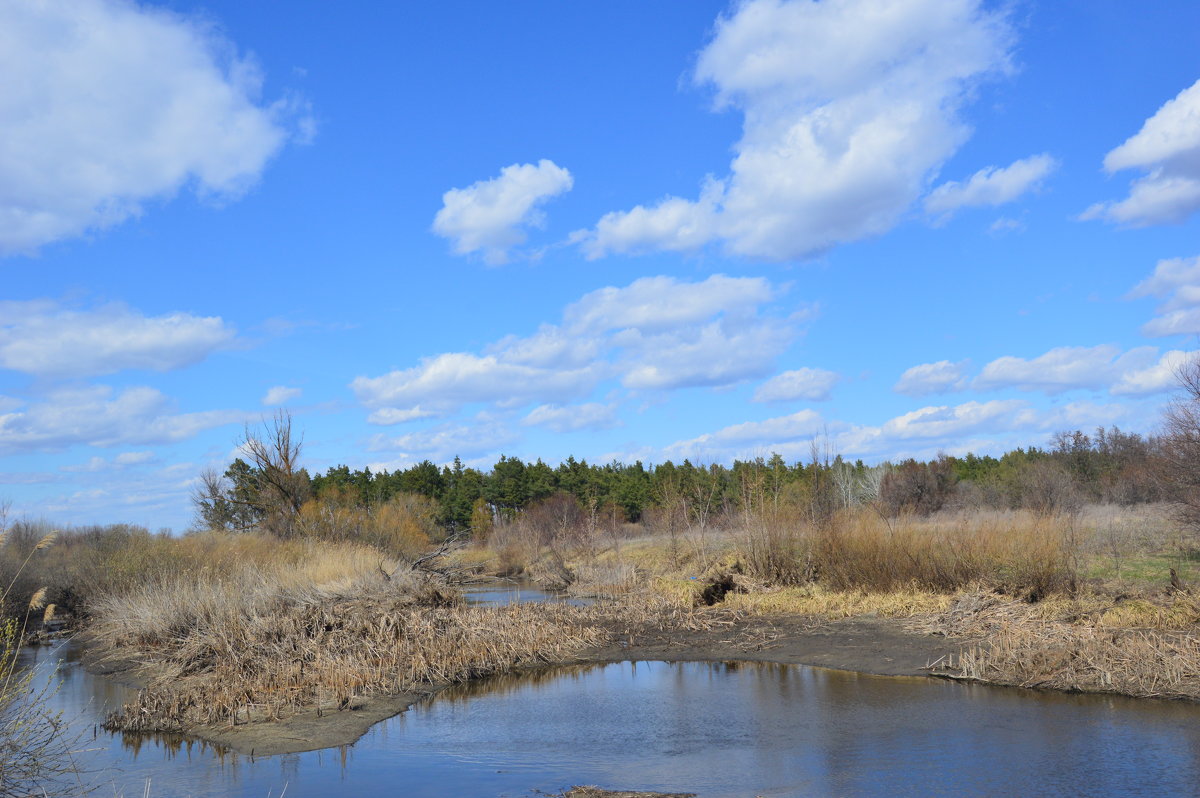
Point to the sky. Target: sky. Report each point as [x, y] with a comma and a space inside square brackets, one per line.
[615, 230]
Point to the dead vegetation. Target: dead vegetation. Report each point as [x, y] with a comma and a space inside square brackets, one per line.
[1145, 647]
[266, 628]
[239, 657]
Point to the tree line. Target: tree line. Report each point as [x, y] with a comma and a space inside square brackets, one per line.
[270, 489]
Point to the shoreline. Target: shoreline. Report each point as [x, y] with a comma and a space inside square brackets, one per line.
[874, 646]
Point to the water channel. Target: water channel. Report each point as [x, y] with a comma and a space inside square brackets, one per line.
[718, 729]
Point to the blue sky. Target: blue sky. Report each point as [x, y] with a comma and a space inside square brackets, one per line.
[615, 230]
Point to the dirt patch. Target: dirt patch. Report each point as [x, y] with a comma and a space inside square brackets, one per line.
[596, 792]
[866, 645]
[309, 730]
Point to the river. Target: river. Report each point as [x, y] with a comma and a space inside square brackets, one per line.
[718, 729]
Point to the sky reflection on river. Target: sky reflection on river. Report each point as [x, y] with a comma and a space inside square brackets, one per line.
[723, 729]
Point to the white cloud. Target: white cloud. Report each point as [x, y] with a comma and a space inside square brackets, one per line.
[386, 416]
[94, 416]
[810, 384]
[591, 415]
[1159, 377]
[1006, 224]
[716, 354]
[954, 422]
[43, 338]
[1065, 368]
[990, 186]
[653, 303]
[750, 438]
[1178, 279]
[446, 441]
[490, 215]
[106, 105]
[118, 463]
[280, 395]
[444, 383]
[997, 425]
[1167, 148]
[1135, 372]
[930, 378]
[674, 225]
[657, 333]
[849, 107]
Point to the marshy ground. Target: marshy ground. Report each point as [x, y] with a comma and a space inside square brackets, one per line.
[291, 646]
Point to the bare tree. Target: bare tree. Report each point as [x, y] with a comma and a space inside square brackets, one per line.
[1179, 465]
[283, 486]
[210, 498]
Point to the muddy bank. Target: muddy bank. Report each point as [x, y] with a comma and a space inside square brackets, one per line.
[865, 645]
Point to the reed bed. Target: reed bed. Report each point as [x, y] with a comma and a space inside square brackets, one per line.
[1146, 647]
[242, 658]
[1144, 663]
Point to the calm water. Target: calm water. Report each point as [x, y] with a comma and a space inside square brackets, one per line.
[716, 729]
[518, 593]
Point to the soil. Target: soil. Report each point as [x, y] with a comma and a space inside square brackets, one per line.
[596, 792]
[864, 644]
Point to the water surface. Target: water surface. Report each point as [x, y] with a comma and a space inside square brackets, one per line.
[518, 593]
[724, 729]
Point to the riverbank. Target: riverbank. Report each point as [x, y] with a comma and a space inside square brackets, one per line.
[866, 645]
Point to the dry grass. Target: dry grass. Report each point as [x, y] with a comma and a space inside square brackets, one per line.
[1146, 647]
[1022, 553]
[839, 604]
[1142, 663]
[225, 653]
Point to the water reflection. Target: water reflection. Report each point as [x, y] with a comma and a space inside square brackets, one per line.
[719, 729]
[519, 593]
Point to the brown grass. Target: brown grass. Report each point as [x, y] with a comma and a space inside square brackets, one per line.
[1146, 647]
[1142, 663]
[225, 654]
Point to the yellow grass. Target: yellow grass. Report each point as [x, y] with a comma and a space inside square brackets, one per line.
[900, 603]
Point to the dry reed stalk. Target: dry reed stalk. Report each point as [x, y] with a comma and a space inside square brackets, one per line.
[1142, 663]
[240, 650]
[1071, 644]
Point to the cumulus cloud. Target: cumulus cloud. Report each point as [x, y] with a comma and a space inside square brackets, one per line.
[107, 105]
[849, 107]
[721, 353]
[1158, 377]
[490, 216]
[1167, 149]
[930, 378]
[654, 303]
[1065, 368]
[990, 186]
[751, 437]
[954, 421]
[971, 426]
[280, 395]
[1177, 280]
[446, 441]
[558, 418]
[96, 416]
[43, 338]
[657, 333]
[809, 384]
[1135, 372]
[443, 383]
